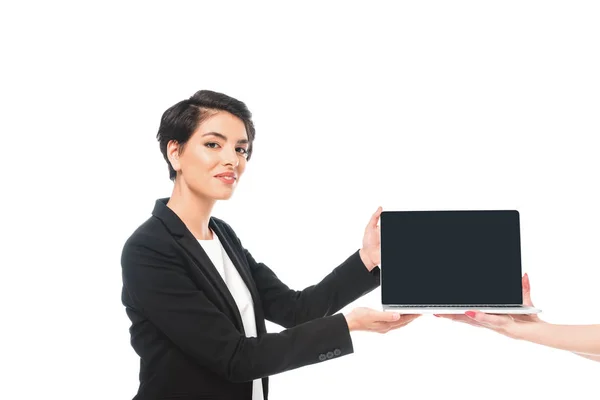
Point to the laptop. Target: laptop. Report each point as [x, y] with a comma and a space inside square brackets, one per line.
[449, 262]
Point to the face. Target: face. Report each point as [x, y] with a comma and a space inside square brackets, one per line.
[214, 158]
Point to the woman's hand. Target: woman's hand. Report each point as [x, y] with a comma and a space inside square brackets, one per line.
[370, 253]
[366, 319]
[509, 325]
[582, 340]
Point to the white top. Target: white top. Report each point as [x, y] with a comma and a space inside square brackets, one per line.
[219, 257]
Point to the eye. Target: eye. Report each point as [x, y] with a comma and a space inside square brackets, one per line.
[212, 145]
[242, 151]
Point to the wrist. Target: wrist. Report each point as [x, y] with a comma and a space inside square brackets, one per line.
[366, 260]
[350, 322]
[522, 330]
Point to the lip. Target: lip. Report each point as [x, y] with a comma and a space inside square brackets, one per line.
[226, 175]
[228, 178]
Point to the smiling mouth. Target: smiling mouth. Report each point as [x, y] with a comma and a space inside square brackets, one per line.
[226, 179]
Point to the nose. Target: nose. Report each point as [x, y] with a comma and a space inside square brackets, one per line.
[230, 158]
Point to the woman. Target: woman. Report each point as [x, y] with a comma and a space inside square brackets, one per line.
[198, 300]
[583, 340]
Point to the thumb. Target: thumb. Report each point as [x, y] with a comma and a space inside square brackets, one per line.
[375, 218]
[527, 291]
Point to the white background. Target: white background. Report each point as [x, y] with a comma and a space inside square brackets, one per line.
[420, 105]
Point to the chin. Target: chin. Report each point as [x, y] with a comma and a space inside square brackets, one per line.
[224, 196]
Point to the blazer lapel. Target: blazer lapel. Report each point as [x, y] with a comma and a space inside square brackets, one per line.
[191, 245]
[240, 266]
[185, 238]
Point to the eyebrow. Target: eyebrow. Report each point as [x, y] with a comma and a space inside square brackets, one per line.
[221, 136]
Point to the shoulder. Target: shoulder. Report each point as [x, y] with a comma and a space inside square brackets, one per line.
[151, 237]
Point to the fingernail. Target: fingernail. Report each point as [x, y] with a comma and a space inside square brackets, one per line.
[470, 314]
[435, 315]
[396, 316]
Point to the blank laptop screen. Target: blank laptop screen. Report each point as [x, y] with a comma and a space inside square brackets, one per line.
[450, 257]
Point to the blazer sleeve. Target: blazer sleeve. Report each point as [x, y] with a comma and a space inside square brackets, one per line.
[289, 308]
[161, 289]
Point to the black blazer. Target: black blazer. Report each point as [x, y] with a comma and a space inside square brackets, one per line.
[186, 327]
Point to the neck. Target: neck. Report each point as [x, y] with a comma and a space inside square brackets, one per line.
[192, 209]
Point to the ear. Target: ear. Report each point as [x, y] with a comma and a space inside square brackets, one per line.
[173, 155]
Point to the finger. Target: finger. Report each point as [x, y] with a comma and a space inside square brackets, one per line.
[375, 218]
[446, 316]
[409, 317]
[384, 326]
[496, 321]
[405, 320]
[392, 326]
[385, 316]
[527, 291]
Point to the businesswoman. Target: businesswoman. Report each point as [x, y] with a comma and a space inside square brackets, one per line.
[198, 300]
[583, 340]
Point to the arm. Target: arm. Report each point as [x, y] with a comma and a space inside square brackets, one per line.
[160, 288]
[288, 307]
[583, 340]
[589, 356]
[355, 277]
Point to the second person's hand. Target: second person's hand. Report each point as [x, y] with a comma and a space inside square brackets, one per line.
[508, 325]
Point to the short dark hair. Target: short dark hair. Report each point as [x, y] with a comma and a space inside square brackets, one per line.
[180, 121]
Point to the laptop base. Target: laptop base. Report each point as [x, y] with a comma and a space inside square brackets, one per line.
[460, 309]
